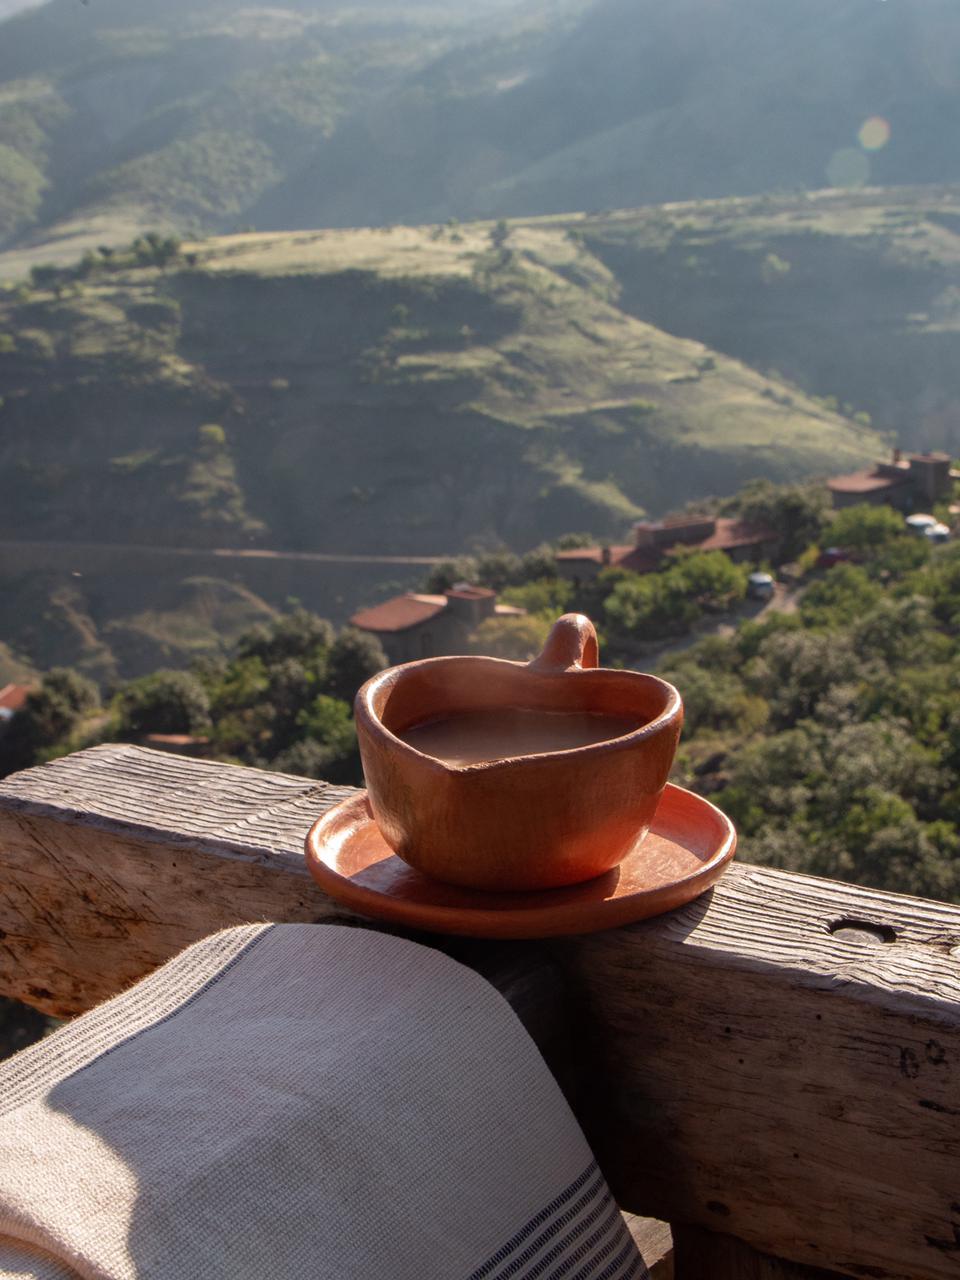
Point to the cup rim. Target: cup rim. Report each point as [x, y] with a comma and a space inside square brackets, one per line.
[363, 709]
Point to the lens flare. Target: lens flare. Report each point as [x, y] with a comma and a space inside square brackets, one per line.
[874, 133]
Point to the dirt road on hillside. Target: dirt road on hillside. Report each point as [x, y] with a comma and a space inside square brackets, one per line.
[226, 553]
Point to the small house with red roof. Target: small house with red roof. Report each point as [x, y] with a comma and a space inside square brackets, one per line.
[917, 480]
[12, 698]
[416, 625]
[653, 540]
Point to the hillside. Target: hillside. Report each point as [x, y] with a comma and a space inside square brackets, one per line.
[852, 295]
[412, 390]
[122, 115]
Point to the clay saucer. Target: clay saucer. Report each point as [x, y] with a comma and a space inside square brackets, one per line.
[684, 853]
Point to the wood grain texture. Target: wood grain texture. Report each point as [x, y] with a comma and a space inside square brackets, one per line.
[655, 1242]
[116, 858]
[794, 1087]
[759, 1064]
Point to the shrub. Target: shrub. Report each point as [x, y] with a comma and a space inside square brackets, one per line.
[164, 702]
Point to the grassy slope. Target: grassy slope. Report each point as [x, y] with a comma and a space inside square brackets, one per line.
[119, 624]
[412, 390]
[852, 295]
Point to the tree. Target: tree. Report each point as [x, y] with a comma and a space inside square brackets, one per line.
[354, 657]
[297, 634]
[546, 596]
[574, 541]
[842, 596]
[794, 669]
[796, 513]
[328, 746]
[164, 702]
[498, 569]
[518, 638]
[499, 234]
[211, 437]
[710, 577]
[311, 759]
[44, 275]
[863, 528]
[48, 716]
[443, 575]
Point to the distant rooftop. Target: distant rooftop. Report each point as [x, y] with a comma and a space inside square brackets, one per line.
[885, 476]
[721, 534]
[730, 534]
[13, 696]
[399, 613]
[413, 609]
[868, 481]
[464, 591]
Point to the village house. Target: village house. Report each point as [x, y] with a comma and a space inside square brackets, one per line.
[653, 540]
[12, 698]
[415, 626]
[906, 483]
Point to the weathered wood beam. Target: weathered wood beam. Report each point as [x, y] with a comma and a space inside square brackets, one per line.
[705, 1255]
[778, 1061]
[116, 858]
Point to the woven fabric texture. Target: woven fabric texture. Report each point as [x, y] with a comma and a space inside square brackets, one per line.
[287, 1101]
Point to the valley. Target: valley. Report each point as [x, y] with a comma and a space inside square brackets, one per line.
[425, 391]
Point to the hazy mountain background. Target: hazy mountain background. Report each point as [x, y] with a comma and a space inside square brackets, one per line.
[220, 115]
[9, 7]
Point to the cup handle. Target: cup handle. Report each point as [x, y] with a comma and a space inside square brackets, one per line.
[571, 645]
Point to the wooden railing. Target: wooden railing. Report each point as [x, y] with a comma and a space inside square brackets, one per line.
[774, 1069]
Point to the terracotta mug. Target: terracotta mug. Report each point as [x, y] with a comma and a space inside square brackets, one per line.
[535, 821]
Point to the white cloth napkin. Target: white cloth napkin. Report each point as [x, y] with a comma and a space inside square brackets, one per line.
[285, 1101]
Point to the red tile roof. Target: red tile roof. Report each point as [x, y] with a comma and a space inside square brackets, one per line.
[728, 534]
[462, 591]
[13, 696]
[866, 482]
[175, 740]
[592, 554]
[400, 613]
[637, 559]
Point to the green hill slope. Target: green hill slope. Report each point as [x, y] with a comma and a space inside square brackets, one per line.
[854, 296]
[412, 391]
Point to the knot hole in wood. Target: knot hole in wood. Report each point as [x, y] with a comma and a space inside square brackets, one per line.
[866, 932]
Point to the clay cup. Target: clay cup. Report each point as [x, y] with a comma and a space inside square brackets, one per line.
[530, 821]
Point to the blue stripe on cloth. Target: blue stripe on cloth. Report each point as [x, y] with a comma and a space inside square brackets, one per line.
[604, 1207]
[614, 1268]
[637, 1269]
[579, 1239]
[590, 1247]
[543, 1216]
[595, 1188]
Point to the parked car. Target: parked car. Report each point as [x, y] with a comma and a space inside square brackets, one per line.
[937, 533]
[920, 522]
[760, 586]
[831, 556]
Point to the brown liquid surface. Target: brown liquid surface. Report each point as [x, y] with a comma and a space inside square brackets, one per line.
[470, 737]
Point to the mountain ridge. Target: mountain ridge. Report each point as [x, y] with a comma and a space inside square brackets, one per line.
[118, 118]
